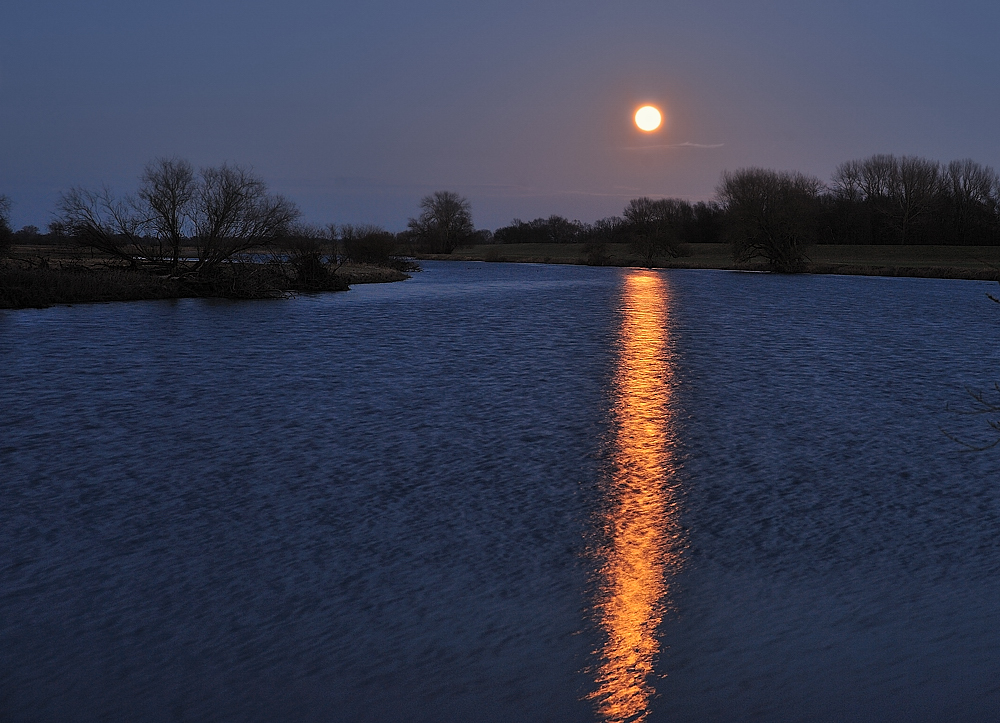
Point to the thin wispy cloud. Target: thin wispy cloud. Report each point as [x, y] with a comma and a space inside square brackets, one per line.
[686, 144]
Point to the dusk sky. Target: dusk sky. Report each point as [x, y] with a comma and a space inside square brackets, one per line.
[357, 110]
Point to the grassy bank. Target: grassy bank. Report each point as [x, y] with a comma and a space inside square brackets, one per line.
[958, 262]
[369, 274]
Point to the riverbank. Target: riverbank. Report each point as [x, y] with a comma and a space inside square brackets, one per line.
[39, 282]
[949, 262]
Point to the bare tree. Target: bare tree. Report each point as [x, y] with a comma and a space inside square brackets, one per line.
[848, 196]
[444, 224]
[653, 227]
[309, 253]
[771, 215]
[100, 221]
[168, 190]
[971, 191]
[878, 176]
[899, 194]
[914, 192]
[878, 179]
[554, 229]
[234, 213]
[847, 182]
[223, 212]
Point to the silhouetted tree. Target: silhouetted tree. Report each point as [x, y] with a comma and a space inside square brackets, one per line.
[771, 215]
[877, 176]
[605, 230]
[109, 225]
[169, 189]
[973, 194]
[885, 199]
[917, 186]
[554, 229]
[444, 224]
[705, 224]
[653, 227]
[596, 237]
[233, 213]
[27, 234]
[483, 236]
[367, 244]
[850, 222]
[223, 212]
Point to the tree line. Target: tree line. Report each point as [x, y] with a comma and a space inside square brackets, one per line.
[209, 226]
[219, 231]
[773, 215]
[652, 227]
[882, 199]
[911, 200]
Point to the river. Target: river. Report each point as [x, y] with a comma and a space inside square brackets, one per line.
[504, 492]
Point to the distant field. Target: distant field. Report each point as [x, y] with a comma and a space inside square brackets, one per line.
[948, 261]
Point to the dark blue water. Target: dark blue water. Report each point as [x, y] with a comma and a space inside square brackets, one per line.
[406, 502]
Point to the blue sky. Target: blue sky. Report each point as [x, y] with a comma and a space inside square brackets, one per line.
[357, 110]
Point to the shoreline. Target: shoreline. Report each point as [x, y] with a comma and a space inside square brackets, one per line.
[54, 282]
[972, 263]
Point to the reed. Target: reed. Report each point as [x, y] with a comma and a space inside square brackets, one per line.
[41, 287]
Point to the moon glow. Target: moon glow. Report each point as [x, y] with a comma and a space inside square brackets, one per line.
[648, 118]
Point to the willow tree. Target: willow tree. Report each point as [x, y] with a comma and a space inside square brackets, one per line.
[221, 212]
[771, 215]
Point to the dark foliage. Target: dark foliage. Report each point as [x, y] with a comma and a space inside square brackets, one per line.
[554, 229]
[308, 259]
[654, 228]
[595, 253]
[705, 224]
[367, 244]
[444, 224]
[910, 200]
[771, 215]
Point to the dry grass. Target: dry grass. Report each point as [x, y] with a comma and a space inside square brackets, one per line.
[369, 274]
[24, 287]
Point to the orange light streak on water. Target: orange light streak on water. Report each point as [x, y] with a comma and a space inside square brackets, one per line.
[643, 550]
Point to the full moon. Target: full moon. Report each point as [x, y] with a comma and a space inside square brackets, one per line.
[647, 118]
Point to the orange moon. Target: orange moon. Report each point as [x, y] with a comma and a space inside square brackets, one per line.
[648, 118]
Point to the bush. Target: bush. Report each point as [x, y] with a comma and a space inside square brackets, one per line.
[368, 244]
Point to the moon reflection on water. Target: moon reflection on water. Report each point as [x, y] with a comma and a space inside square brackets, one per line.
[641, 524]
